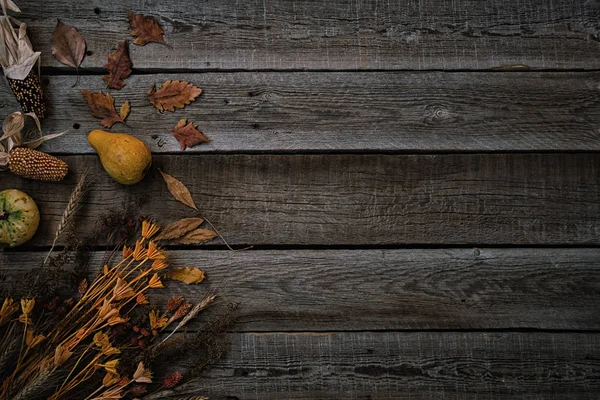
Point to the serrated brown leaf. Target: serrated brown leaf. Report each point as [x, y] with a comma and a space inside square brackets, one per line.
[173, 94]
[187, 275]
[102, 106]
[197, 236]
[145, 29]
[118, 66]
[179, 191]
[179, 228]
[124, 110]
[68, 46]
[188, 135]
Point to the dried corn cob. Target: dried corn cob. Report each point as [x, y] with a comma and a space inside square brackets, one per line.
[33, 164]
[29, 94]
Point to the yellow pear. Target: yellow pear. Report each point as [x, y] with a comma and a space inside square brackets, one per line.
[124, 157]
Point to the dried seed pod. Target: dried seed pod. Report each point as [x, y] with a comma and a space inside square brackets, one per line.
[29, 94]
[33, 164]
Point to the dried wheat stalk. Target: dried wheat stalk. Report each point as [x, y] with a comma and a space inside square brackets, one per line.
[69, 211]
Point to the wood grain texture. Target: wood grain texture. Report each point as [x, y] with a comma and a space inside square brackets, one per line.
[395, 365]
[334, 290]
[355, 199]
[387, 111]
[336, 34]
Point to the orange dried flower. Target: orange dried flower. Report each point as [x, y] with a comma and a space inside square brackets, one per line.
[111, 366]
[159, 264]
[149, 228]
[27, 305]
[122, 290]
[142, 375]
[61, 354]
[8, 309]
[127, 252]
[155, 282]
[116, 320]
[110, 379]
[32, 340]
[156, 321]
[25, 319]
[101, 339]
[141, 299]
[108, 350]
[140, 251]
[154, 253]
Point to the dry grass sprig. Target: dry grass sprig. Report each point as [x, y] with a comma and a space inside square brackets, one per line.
[70, 210]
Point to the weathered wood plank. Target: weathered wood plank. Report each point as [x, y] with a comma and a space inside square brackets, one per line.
[434, 366]
[336, 34]
[398, 111]
[390, 289]
[356, 199]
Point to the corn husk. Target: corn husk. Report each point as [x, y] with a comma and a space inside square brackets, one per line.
[15, 136]
[16, 52]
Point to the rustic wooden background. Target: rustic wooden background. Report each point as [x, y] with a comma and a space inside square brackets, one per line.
[420, 179]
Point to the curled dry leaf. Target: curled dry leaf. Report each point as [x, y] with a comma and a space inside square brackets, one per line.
[173, 94]
[197, 236]
[68, 46]
[179, 228]
[118, 66]
[187, 275]
[179, 191]
[145, 29]
[124, 110]
[102, 106]
[188, 135]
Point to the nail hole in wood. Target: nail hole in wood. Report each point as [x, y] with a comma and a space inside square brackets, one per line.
[76, 126]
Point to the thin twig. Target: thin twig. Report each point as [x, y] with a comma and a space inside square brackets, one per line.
[222, 238]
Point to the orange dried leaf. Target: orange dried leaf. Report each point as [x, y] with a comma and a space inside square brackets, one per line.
[102, 106]
[173, 94]
[179, 191]
[188, 135]
[68, 46]
[197, 236]
[118, 67]
[145, 29]
[187, 275]
[124, 110]
[179, 228]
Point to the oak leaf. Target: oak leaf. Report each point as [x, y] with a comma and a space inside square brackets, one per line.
[179, 228]
[102, 106]
[173, 94]
[124, 110]
[118, 66]
[68, 46]
[188, 134]
[145, 29]
[197, 236]
[187, 275]
[179, 191]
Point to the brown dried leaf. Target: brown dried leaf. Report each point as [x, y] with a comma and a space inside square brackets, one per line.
[118, 66]
[179, 228]
[102, 106]
[124, 110]
[187, 275]
[145, 29]
[173, 94]
[179, 191]
[197, 236]
[68, 46]
[188, 135]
